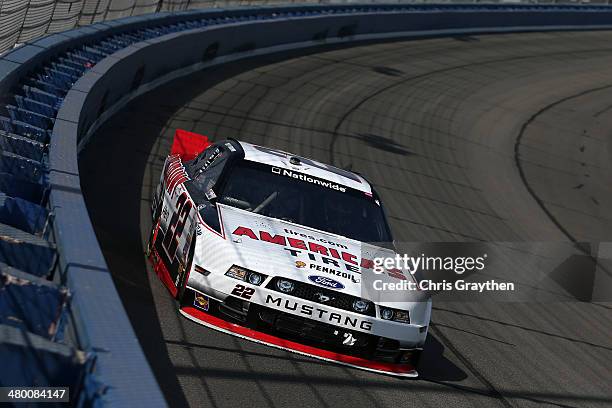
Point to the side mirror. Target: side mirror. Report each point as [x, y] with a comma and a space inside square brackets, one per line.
[210, 195]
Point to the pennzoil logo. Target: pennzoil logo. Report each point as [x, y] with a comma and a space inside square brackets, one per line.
[201, 302]
[300, 264]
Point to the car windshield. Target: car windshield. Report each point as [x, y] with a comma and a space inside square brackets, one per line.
[353, 214]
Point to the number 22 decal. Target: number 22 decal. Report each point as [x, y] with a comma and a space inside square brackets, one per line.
[243, 292]
[176, 225]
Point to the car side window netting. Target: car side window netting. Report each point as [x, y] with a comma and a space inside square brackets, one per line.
[206, 169]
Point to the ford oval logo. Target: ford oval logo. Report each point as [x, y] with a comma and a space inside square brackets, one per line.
[325, 281]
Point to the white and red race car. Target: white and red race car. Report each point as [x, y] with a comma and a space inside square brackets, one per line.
[272, 247]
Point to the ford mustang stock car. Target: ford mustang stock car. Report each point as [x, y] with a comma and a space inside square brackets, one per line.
[273, 247]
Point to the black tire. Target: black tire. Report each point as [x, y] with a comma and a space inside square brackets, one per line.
[150, 242]
[416, 358]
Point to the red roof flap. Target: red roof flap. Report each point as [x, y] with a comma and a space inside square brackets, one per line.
[188, 144]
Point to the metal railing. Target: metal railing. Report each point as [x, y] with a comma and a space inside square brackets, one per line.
[22, 21]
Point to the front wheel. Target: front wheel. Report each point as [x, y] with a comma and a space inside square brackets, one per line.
[183, 272]
[415, 358]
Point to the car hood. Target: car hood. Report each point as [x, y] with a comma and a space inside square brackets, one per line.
[280, 248]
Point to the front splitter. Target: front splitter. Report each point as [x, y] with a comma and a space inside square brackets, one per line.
[205, 319]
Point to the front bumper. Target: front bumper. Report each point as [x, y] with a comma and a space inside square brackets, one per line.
[301, 335]
[219, 287]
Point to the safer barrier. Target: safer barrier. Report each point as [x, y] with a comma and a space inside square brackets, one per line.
[56, 93]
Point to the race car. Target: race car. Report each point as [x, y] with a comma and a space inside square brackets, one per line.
[273, 247]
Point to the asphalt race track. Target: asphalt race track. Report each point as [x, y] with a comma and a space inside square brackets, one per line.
[504, 138]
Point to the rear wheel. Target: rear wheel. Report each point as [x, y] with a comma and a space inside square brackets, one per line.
[151, 240]
[155, 215]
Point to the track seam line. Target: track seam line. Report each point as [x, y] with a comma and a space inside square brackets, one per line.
[517, 160]
[351, 110]
[517, 144]
[492, 391]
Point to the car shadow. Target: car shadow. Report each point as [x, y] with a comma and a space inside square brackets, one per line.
[434, 365]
